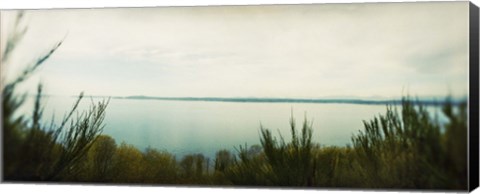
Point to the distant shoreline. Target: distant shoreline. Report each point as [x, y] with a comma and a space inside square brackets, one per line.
[427, 102]
[289, 100]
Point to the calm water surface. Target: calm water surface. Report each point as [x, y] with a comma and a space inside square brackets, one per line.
[184, 127]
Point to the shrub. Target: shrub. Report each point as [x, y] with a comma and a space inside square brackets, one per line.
[33, 151]
[411, 151]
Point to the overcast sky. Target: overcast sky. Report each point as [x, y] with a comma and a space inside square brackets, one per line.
[330, 50]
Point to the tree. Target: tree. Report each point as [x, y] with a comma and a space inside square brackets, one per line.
[223, 160]
[161, 167]
[128, 166]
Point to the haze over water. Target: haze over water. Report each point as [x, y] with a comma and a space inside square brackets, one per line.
[186, 127]
[277, 51]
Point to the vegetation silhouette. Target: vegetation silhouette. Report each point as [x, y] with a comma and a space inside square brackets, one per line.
[34, 151]
[406, 149]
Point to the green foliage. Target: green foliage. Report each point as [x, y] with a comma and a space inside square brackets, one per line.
[411, 151]
[101, 154]
[161, 167]
[41, 152]
[16, 129]
[281, 163]
[454, 144]
[223, 160]
[290, 164]
[97, 164]
[128, 164]
[335, 167]
[193, 169]
[33, 151]
[407, 149]
[249, 169]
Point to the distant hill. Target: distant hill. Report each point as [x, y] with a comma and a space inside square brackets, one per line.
[287, 100]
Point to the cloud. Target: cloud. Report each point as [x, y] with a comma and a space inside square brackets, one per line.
[275, 51]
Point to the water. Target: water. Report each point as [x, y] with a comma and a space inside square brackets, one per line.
[185, 127]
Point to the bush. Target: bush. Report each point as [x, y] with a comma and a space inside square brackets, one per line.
[281, 163]
[411, 151]
[33, 151]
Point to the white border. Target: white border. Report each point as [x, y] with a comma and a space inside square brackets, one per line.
[73, 189]
[41, 4]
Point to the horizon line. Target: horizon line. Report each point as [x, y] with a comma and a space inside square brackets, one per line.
[426, 100]
[429, 101]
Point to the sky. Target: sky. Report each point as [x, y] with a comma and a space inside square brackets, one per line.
[369, 50]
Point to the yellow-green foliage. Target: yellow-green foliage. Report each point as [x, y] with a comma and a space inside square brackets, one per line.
[161, 167]
[97, 164]
[128, 164]
[400, 149]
